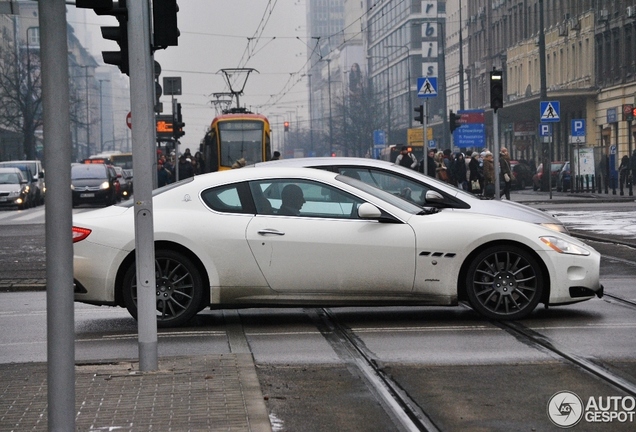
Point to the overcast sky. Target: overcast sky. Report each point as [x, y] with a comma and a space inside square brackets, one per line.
[269, 36]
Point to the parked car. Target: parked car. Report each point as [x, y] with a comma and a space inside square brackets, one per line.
[554, 171]
[14, 188]
[265, 237]
[93, 183]
[414, 186]
[126, 183]
[521, 175]
[564, 179]
[35, 177]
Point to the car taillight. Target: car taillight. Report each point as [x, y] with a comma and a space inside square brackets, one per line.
[80, 234]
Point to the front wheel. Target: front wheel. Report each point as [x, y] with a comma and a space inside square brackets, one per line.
[504, 283]
[178, 292]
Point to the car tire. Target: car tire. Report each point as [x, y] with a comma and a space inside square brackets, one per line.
[179, 289]
[504, 282]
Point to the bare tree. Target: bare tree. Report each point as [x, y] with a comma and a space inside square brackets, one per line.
[21, 95]
[359, 114]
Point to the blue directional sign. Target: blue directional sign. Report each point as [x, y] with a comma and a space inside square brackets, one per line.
[470, 135]
[550, 111]
[577, 128]
[545, 129]
[379, 138]
[427, 87]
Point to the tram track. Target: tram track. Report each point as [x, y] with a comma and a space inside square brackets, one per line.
[404, 411]
[533, 338]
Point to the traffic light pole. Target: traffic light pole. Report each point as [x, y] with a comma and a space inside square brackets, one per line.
[495, 127]
[142, 99]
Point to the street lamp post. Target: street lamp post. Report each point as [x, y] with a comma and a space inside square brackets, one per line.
[29, 95]
[101, 117]
[408, 78]
[388, 99]
[330, 115]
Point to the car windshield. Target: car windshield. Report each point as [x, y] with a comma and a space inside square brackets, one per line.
[88, 171]
[9, 178]
[379, 193]
[26, 172]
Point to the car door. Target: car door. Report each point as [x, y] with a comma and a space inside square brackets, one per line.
[326, 248]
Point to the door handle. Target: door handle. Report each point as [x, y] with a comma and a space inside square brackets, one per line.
[270, 231]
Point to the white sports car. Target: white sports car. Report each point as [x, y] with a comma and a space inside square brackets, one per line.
[305, 237]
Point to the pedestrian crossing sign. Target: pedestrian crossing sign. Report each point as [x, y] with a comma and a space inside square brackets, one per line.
[427, 87]
[550, 111]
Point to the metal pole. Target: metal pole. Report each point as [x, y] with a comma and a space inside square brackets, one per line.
[311, 124]
[461, 60]
[58, 219]
[88, 114]
[388, 104]
[424, 137]
[142, 98]
[330, 116]
[101, 118]
[495, 127]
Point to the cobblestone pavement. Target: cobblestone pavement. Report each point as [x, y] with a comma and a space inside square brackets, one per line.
[211, 393]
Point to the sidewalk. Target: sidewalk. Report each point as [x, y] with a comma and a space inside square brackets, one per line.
[198, 393]
[528, 196]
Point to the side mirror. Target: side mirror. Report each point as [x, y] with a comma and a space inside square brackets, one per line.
[434, 197]
[369, 211]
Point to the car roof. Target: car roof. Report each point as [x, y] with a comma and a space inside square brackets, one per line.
[10, 170]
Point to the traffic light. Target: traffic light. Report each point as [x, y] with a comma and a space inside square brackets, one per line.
[177, 123]
[420, 114]
[286, 125]
[164, 23]
[496, 90]
[453, 120]
[118, 34]
[634, 113]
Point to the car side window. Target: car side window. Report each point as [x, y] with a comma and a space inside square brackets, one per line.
[303, 198]
[226, 199]
[397, 185]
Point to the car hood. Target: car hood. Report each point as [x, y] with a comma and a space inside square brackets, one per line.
[88, 182]
[10, 187]
[515, 210]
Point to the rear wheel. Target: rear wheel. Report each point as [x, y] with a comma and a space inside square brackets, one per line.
[178, 292]
[504, 283]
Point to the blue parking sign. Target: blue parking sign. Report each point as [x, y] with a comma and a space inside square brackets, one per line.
[577, 127]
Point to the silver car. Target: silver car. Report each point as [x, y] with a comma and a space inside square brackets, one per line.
[422, 190]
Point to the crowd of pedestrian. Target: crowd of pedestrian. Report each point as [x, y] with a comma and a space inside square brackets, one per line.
[474, 174]
[170, 169]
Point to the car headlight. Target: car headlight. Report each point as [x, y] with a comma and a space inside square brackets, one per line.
[104, 185]
[563, 246]
[556, 227]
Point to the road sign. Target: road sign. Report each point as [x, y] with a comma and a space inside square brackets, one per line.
[545, 129]
[129, 120]
[427, 87]
[550, 111]
[470, 135]
[577, 127]
[611, 114]
[379, 137]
